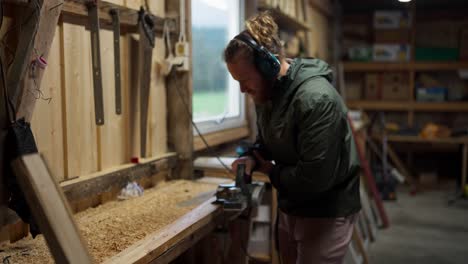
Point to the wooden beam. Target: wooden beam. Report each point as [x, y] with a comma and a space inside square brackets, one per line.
[75, 11]
[156, 245]
[45, 35]
[24, 49]
[50, 210]
[179, 103]
[100, 182]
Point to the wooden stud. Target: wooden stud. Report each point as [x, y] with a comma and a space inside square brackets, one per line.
[80, 128]
[112, 138]
[51, 210]
[25, 46]
[179, 103]
[47, 118]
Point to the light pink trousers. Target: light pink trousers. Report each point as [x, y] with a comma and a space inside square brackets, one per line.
[314, 240]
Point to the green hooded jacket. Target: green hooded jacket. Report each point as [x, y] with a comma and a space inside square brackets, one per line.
[304, 130]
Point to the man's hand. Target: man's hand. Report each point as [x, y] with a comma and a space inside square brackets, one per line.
[248, 161]
[264, 166]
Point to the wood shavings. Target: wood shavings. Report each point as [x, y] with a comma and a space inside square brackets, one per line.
[114, 226]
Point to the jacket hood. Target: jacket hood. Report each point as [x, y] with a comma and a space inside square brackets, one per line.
[301, 70]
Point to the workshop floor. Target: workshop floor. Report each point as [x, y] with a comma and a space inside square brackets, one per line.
[424, 229]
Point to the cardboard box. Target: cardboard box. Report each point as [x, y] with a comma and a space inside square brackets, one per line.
[391, 52]
[373, 86]
[392, 19]
[400, 36]
[438, 34]
[360, 53]
[395, 86]
[354, 88]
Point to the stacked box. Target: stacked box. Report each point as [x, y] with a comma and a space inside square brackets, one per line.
[395, 86]
[373, 86]
[391, 52]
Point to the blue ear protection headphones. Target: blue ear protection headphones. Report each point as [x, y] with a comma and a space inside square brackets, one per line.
[267, 64]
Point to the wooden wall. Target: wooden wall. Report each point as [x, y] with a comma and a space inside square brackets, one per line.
[65, 129]
[319, 39]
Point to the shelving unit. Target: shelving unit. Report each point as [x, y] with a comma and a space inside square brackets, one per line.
[412, 68]
[404, 66]
[410, 108]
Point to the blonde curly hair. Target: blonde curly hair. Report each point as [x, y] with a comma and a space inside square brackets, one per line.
[264, 30]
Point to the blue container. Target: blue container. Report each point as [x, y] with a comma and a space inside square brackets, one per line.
[431, 94]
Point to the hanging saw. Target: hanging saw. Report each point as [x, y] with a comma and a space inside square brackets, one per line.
[93, 12]
[146, 27]
[118, 90]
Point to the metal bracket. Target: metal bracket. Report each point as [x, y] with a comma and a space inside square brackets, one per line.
[118, 90]
[96, 55]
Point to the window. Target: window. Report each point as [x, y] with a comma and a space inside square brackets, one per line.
[217, 101]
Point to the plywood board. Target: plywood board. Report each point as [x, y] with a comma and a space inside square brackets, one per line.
[158, 121]
[81, 132]
[111, 136]
[135, 4]
[47, 120]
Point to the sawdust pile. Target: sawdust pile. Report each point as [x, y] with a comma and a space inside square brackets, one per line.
[114, 226]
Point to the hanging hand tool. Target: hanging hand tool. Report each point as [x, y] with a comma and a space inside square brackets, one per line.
[241, 194]
[93, 12]
[145, 54]
[118, 90]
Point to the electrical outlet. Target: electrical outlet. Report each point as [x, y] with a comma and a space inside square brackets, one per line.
[181, 49]
[179, 63]
[183, 64]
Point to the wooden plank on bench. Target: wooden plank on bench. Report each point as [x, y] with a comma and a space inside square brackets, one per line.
[51, 210]
[213, 168]
[184, 232]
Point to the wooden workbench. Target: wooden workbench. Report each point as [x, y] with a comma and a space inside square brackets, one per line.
[173, 215]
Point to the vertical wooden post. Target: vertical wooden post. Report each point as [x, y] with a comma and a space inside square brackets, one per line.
[34, 40]
[179, 102]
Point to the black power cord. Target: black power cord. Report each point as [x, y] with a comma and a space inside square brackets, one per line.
[189, 113]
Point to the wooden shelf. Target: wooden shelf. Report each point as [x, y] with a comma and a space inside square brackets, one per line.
[284, 20]
[418, 139]
[403, 66]
[409, 106]
[375, 66]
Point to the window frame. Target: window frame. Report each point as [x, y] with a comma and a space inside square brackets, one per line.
[219, 123]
